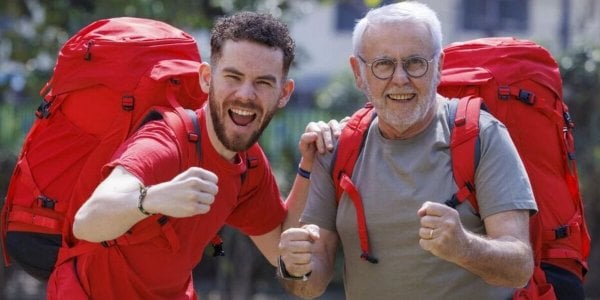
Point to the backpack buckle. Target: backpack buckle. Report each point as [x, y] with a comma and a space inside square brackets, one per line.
[43, 111]
[526, 97]
[503, 92]
[562, 232]
[192, 137]
[45, 202]
[127, 102]
[568, 120]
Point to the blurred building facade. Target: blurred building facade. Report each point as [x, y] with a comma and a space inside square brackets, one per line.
[325, 32]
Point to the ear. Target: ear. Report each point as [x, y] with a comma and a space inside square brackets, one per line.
[440, 66]
[355, 65]
[286, 93]
[205, 71]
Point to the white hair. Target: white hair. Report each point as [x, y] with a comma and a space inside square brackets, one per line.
[406, 11]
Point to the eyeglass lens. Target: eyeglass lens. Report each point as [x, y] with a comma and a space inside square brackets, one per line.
[414, 66]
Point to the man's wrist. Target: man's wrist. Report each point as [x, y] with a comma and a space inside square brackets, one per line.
[303, 173]
[283, 273]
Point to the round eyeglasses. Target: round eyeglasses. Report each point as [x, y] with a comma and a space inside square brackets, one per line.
[384, 68]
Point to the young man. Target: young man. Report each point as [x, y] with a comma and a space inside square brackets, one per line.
[247, 83]
[425, 249]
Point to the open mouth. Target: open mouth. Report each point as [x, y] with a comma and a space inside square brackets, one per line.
[241, 117]
[401, 97]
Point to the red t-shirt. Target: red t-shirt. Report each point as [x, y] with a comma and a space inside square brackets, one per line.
[155, 269]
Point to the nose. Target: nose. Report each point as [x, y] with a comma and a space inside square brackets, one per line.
[400, 76]
[246, 92]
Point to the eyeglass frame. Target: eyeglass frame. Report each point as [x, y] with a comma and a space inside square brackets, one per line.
[395, 61]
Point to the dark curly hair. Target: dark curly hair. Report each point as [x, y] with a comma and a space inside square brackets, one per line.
[256, 27]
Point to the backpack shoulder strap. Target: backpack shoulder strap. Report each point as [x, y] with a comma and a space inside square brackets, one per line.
[350, 144]
[185, 125]
[464, 148]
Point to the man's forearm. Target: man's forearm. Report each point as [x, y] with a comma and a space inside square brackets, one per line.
[296, 199]
[505, 261]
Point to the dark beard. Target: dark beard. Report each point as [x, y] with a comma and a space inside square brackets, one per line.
[236, 143]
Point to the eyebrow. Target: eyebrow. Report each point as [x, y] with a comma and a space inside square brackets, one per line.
[235, 71]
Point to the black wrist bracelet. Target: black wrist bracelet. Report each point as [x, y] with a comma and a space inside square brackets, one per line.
[283, 273]
[303, 173]
[143, 192]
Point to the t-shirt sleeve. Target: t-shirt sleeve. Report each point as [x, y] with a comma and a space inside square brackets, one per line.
[501, 179]
[260, 207]
[151, 154]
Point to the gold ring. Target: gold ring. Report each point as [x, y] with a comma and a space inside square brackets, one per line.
[431, 234]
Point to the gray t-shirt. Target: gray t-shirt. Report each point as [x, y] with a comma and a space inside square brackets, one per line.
[394, 180]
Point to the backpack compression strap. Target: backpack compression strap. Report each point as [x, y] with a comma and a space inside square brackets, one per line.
[464, 149]
[349, 146]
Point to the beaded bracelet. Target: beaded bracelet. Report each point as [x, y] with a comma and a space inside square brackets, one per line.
[143, 192]
[303, 173]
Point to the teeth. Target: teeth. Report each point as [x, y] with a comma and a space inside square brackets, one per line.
[401, 96]
[241, 112]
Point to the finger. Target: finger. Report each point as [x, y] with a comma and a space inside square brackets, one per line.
[298, 259]
[430, 221]
[431, 209]
[298, 247]
[202, 208]
[328, 139]
[336, 128]
[426, 244]
[307, 142]
[344, 121]
[325, 142]
[313, 231]
[296, 234]
[205, 198]
[204, 174]
[197, 172]
[427, 233]
[201, 186]
[316, 129]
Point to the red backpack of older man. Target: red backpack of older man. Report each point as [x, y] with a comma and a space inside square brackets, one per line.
[110, 77]
[519, 83]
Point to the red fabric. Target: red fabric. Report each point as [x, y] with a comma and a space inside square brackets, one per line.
[154, 270]
[106, 79]
[64, 284]
[352, 135]
[463, 143]
[520, 84]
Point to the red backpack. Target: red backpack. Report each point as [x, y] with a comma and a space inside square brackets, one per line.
[110, 77]
[519, 83]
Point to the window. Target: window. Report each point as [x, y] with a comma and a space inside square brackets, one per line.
[349, 11]
[495, 15]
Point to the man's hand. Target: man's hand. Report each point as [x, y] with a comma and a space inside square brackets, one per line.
[296, 248]
[319, 137]
[189, 193]
[441, 231]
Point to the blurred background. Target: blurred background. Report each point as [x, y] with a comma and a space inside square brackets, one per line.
[32, 31]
